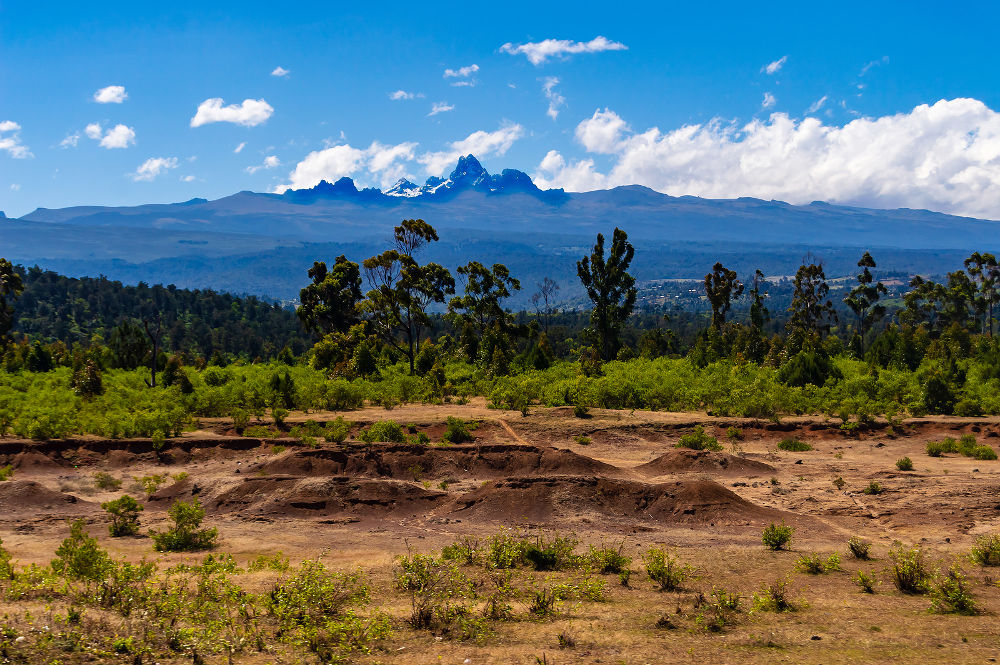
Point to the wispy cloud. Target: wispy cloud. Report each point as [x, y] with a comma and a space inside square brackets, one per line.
[270, 162]
[10, 140]
[187, 178]
[280, 72]
[153, 167]
[556, 100]
[112, 94]
[238, 149]
[817, 105]
[440, 107]
[70, 141]
[250, 113]
[538, 52]
[884, 60]
[774, 67]
[402, 95]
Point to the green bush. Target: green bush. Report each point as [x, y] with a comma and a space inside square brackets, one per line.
[874, 488]
[338, 429]
[105, 481]
[80, 557]
[124, 513]
[904, 464]
[866, 581]
[983, 453]
[812, 564]
[184, 535]
[777, 536]
[457, 431]
[859, 549]
[384, 431]
[582, 439]
[794, 445]
[734, 434]
[909, 570]
[6, 472]
[609, 560]
[699, 440]
[666, 570]
[774, 598]
[952, 594]
[935, 448]
[986, 550]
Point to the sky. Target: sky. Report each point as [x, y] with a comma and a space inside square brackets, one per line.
[874, 104]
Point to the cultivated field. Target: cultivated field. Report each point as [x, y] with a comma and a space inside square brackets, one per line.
[612, 479]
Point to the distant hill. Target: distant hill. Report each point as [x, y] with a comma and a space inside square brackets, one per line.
[263, 243]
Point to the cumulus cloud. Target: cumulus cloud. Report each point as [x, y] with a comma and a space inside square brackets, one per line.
[769, 101]
[270, 162]
[385, 163]
[774, 67]
[93, 131]
[556, 100]
[461, 72]
[113, 94]
[479, 143]
[602, 132]
[238, 149]
[280, 72]
[10, 140]
[250, 113]
[118, 136]
[944, 156]
[538, 52]
[152, 167]
[440, 107]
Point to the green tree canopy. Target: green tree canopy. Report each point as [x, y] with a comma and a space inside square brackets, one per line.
[612, 290]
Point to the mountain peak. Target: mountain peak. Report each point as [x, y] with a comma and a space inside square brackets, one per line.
[468, 168]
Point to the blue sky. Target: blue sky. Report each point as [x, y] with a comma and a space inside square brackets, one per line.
[866, 103]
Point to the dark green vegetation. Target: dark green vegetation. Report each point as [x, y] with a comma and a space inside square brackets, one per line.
[93, 356]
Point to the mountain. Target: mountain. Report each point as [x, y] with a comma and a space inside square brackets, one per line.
[262, 243]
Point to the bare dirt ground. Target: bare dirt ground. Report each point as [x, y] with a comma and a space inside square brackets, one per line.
[363, 505]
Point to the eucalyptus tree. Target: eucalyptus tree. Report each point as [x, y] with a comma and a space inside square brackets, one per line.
[612, 290]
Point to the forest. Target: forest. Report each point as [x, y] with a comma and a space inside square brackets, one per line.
[95, 356]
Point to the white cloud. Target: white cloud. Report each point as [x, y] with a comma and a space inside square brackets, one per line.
[817, 105]
[461, 72]
[119, 136]
[93, 131]
[71, 140]
[113, 94]
[556, 100]
[440, 107]
[153, 167]
[187, 178]
[270, 162]
[884, 60]
[250, 113]
[602, 132]
[15, 187]
[539, 52]
[769, 101]
[280, 72]
[944, 156]
[774, 67]
[403, 95]
[384, 163]
[10, 140]
[479, 143]
[238, 149]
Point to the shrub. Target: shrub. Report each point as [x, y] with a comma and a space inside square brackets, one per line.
[554, 554]
[814, 565]
[904, 464]
[859, 549]
[384, 431]
[184, 535]
[866, 581]
[774, 598]
[438, 591]
[986, 550]
[338, 429]
[241, 419]
[105, 481]
[983, 453]
[699, 440]
[839, 482]
[608, 560]
[952, 594]
[581, 411]
[79, 555]
[124, 513]
[457, 431]
[279, 416]
[582, 439]
[734, 434]
[935, 448]
[777, 536]
[794, 445]
[666, 570]
[720, 611]
[151, 483]
[6, 472]
[467, 551]
[874, 488]
[909, 570]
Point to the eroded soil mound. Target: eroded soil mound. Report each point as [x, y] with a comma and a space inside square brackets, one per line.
[535, 500]
[409, 462]
[683, 460]
[27, 496]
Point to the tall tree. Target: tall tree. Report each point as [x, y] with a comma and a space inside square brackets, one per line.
[984, 273]
[721, 286]
[611, 288]
[403, 289]
[811, 309]
[128, 344]
[923, 303]
[10, 288]
[480, 309]
[543, 299]
[759, 314]
[330, 303]
[863, 299]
